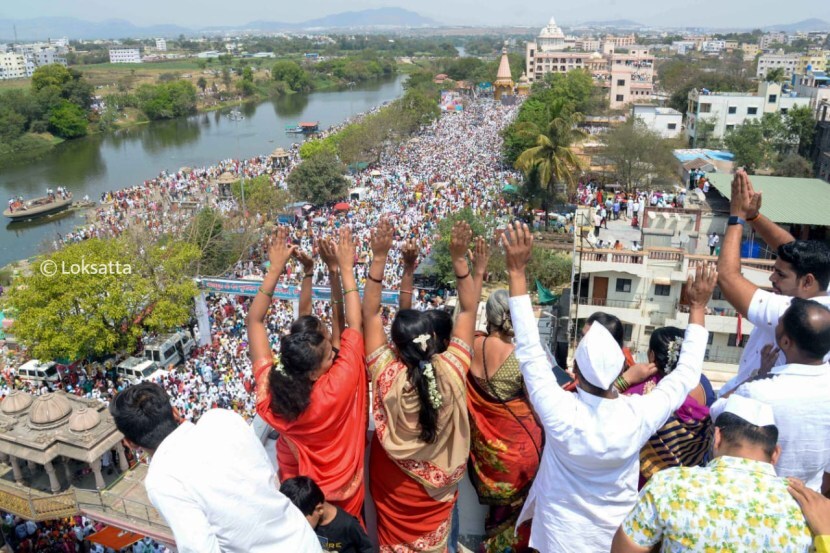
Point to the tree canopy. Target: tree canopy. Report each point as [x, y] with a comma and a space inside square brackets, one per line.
[74, 315]
[638, 154]
[318, 179]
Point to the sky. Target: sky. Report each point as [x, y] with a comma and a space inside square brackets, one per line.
[205, 13]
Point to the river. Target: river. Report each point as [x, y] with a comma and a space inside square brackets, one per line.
[99, 163]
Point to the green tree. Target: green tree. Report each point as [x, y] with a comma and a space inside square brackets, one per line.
[310, 148]
[801, 126]
[747, 143]
[775, 75]
[261, 196]
[704, 129]
[226, 77]
[550, 267]
[202, 84]
[292, 74]
[73, 316]
[318, 179]
[67, 120]
[793, 165]
[552, 156]
[50, 75]
[638, 154]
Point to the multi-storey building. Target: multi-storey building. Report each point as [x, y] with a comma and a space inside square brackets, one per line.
[728, 110]
[161, 45]
[750, 51]
[125, 55]
[820, 150]
[666, 122]
[14, 66]
[814, 85]
[646, 290]
[769, 39]
[813, 60]
[628, 76]
[788, 62]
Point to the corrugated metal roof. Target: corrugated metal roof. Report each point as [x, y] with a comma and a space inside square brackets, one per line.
[786, 200]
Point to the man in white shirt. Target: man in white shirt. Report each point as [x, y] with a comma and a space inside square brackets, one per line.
[798, 393]
[212, 481]
[587, 481]
[713, 242]
[802, 270]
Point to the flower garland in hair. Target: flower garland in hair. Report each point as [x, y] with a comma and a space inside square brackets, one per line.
[673, 354]
[435, 397]
[278, 367]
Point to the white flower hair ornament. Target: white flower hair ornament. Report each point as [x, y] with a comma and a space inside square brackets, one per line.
[278, 367]
[422, 341]
[435, 397]
[673, 354]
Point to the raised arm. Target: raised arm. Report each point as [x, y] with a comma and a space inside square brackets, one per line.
[544, 392]
[670, 393]
[373, 333]
[279, 251]
[305, 288]
[351, 296]
[328, 252]
[468, 292]
[736, 289]
[409, 251]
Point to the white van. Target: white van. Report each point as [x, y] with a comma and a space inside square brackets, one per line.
[136, 369]
[42, 373]
[169, 349]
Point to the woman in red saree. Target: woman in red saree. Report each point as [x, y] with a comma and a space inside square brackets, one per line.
[506, 438]
[315, 398]
[422, 433]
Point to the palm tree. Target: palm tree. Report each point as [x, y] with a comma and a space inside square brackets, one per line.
[552, 158]
[775, 75]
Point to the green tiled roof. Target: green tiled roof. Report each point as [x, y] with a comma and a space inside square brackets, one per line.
[786, 200]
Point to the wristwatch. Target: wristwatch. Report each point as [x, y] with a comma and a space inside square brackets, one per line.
[735, 220]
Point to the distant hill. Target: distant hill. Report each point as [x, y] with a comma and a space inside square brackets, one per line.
[812, 24]
[42, 28]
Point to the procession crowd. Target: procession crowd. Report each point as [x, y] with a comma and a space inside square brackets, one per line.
[610, 456]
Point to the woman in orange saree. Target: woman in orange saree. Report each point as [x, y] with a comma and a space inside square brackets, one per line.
[506, 438]
[422, 432]
[317, 400]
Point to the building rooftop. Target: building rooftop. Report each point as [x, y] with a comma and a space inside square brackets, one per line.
[798, 201]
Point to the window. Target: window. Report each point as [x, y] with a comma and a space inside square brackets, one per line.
[733, 341]
[627, 330]
[733, 109]
[620, 97]
[169, 352]
[730, 127]
[752, 111]
[711, 338]
[623, 285]
[649, 329]
[620, 82]
[717, 294]
[705, 108]
[662, 289]
[773, 98]
[784, 111]
[672, 126]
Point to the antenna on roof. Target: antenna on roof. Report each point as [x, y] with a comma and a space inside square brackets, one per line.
[15, 33]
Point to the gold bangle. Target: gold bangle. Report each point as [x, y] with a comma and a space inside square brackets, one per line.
[349, 290]
[270, 295]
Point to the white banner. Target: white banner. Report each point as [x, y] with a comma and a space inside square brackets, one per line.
[203, 319]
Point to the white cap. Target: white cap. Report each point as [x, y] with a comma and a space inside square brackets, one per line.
[751, 410]
[599, 357]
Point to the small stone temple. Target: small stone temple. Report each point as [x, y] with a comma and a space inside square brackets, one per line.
[51, 429]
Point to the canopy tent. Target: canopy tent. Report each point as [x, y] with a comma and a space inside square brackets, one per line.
[115, 538]
[509, 189]
[375, 173]
[279, 153]
[342, 206]
[546, 297]
[358, 166]
[227, 178]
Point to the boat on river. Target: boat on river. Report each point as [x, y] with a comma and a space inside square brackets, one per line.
[38, 207]
[305, 127]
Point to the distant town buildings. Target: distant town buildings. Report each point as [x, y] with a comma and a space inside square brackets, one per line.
[125, 55]
[20, 60]
[787, 62]
[666, 122]
[728, 110]
[161, 45]
[628, 75]
[820, 150]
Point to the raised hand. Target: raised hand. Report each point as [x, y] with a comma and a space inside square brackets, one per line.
[409, 252]
[518, 245]
[305, 260]
[381, 240]
[479, 256]
[279, 250]
[745, 201]
[328, 252]
[345, 249]
[460, 239]
[699, 289]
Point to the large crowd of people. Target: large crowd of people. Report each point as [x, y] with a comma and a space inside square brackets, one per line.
[612, 455]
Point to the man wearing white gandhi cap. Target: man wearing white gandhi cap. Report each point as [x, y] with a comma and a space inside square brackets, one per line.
[587, 480]
[737, 499]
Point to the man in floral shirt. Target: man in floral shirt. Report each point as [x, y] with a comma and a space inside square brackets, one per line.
[735, 504]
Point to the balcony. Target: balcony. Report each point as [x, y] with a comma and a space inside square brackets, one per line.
[604, 302]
